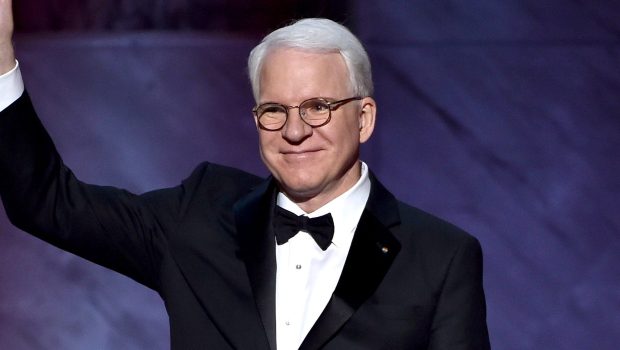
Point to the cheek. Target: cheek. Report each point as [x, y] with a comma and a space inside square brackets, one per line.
[346, 139]
[264, 140]
[267, 149]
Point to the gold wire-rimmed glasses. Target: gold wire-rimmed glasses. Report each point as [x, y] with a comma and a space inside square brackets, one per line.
[314, 112]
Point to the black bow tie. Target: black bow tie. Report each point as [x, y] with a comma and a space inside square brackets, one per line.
[286, 225]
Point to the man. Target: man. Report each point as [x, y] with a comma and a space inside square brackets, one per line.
[320, 255]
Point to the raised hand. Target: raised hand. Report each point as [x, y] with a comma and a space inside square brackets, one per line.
[7, 55]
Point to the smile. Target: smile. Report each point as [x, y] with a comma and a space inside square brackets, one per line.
[299, 155]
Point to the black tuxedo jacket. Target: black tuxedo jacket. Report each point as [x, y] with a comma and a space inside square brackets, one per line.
[410, 281]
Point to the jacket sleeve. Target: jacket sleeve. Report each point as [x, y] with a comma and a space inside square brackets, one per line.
[459, 322]
[105, 225]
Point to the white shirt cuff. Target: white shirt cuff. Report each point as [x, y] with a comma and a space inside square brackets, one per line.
[11, 86]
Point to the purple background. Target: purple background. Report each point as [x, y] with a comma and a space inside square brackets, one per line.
[502, 117]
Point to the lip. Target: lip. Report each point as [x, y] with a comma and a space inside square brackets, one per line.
[300, 151]
[299, 154]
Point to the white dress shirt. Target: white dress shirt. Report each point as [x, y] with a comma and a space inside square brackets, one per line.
[306, 275]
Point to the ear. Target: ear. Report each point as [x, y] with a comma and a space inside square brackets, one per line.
[367, 118]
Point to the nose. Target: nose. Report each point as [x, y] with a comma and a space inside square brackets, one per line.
[295, 130]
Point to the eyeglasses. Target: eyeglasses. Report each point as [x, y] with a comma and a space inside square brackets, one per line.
[314, 112]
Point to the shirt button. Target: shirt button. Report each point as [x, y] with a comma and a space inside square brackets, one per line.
[287, 323]
[298, 267]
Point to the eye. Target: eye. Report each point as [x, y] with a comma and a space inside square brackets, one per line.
[271, 109]
[316, 106]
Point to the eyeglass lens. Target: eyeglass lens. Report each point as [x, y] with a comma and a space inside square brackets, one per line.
[272, 116]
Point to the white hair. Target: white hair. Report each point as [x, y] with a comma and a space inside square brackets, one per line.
[320, 35]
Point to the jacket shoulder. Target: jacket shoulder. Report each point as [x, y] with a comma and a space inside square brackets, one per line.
[213, 174]
[430, 236]
[208, 187]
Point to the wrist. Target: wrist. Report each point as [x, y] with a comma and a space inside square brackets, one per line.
[7, 56]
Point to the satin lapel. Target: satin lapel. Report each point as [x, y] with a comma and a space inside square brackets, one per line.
[372, 251]
[253, 217]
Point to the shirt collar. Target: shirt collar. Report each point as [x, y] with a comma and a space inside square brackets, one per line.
[345, 209]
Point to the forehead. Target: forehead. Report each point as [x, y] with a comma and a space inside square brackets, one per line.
[290, 74]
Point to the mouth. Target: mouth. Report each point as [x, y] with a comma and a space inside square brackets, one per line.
[299, 154]
[300, 151]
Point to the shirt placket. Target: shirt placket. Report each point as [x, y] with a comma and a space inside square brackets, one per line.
[296, 293]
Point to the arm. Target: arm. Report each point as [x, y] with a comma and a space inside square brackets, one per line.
[11, 85]
[41, 195]
[7, 55]
[108, 226]
[460, 317]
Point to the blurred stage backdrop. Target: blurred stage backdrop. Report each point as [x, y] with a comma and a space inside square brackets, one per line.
[500, 116]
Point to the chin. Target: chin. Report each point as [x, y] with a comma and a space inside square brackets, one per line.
[300, 189]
